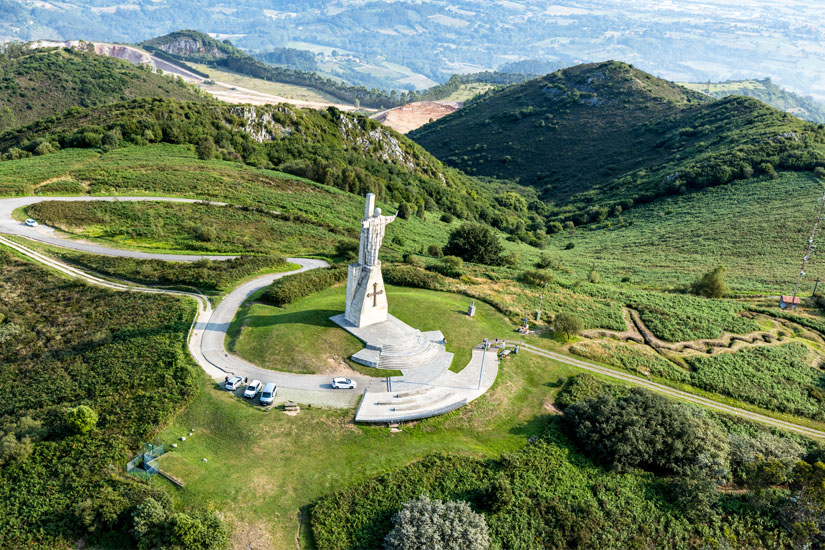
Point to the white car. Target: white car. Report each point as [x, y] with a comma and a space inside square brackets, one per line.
[268, 394]
[31, 223]
[252, 389]
[344, 384]
[233, 383]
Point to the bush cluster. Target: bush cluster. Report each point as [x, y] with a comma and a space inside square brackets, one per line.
[404, 275]
[287, 289]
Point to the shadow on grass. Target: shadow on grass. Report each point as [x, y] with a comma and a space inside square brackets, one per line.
[534, 427]
[315, 317]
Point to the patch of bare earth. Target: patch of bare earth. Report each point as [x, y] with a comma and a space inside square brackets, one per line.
[250, 536]
[337, 367]
[407, 118]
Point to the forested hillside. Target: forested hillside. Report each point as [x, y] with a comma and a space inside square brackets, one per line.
[39, 83]
[350, 152]
[596, 139]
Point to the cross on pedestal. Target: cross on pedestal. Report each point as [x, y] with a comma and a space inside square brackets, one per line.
[374, 294]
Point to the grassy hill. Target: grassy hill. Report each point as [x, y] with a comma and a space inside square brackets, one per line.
[596, 139]
[39, 83]
[766, 91]
[350, 152]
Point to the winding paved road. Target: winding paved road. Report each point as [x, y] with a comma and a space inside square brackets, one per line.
[48, 235]
[208, 332]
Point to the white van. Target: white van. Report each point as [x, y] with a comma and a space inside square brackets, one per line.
[268, 395]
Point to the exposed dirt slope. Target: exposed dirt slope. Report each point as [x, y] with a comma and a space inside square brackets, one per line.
[407, 118]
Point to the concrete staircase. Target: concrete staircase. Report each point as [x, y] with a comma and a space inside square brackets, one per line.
[404, 406]
[437, 391]
[426, 386]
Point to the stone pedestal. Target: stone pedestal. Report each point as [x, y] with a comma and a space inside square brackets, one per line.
[366, 296]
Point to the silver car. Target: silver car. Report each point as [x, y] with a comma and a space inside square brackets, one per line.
[268, 394]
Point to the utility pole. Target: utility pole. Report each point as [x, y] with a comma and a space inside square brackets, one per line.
[810, 249]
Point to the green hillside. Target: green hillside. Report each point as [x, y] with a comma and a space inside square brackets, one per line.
[764, 90]
[39, 83]
[596, 139]
[350, 152]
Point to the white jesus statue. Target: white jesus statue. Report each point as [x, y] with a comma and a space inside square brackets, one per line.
[366, 297]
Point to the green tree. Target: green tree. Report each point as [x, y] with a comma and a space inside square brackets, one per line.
[645, 430]
[476, 243]
[404, 211]
[711, 284]
[347, 249]
[206, 148]
[81, 419]
[425, 523]
[567, 323]
[435, 250]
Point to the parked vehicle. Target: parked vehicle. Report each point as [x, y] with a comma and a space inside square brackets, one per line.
[233, 383]
[344, 384]
[252, 389]
[268, 393]
[31, 223]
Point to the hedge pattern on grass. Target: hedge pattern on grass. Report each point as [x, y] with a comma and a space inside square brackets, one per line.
[205, 275]
[287, 289]
[403, 275]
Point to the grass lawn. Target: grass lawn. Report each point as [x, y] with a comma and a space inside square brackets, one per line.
[301, 338]
[263, 467]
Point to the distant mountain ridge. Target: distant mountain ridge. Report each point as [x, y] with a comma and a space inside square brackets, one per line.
[806, 108]
[598, 138]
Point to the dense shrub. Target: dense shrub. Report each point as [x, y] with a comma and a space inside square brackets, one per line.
[545, 495]
[361, 516]
[81, 419]
[287, 289]
[642, 429]
[584, 386]
[536, 277]
[82, 345]
[475, 243]
[435, 250]
[402, 275]
[711, 284]
[425, 523]
[205, 275]
[347, 250]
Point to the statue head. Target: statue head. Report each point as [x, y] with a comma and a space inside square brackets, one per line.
[377, 212]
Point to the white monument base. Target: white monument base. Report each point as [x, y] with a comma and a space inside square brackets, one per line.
[366, 296]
